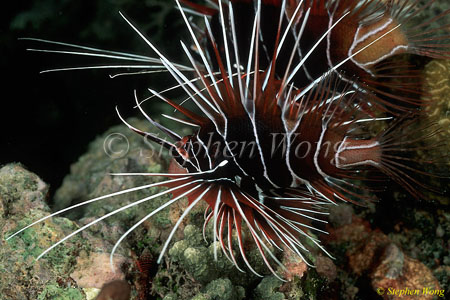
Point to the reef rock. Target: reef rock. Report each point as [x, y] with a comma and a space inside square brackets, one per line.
[23, 200]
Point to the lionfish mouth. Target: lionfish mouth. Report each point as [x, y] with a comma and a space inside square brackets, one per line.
[284, 92]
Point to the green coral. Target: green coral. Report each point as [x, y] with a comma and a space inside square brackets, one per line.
[267, 289]
[311, 284]
[53, 291]
[193, 255]
[23, 195]
[170, 296]
[221, 289]
[200, 296]
[19, 187]
[33, 241]
[197, 258]
[194, 259]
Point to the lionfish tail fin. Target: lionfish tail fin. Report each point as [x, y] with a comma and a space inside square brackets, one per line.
[410, 154]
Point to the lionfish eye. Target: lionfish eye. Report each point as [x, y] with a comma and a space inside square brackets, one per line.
[182, 147]
[183, 153]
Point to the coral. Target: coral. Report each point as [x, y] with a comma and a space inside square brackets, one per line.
[94, 270]
[21, 190]
[397, 272]
[221, 289]
[52, 290]
[61, 273]
[267, 289]
[387, 268]
[326, 268]
[294, 266]
[22, 198]
[196, 257]
[341, 215]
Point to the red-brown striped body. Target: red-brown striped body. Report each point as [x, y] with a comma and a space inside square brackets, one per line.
[282, 135]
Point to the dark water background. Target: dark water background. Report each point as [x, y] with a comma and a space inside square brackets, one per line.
[47, 120]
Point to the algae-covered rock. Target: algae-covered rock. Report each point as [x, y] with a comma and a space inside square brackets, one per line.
[22, 198]
[170, 296]
[197, 257]
[411, 257]
[21, 191]
[93, 270]
[53, 290]
[268, 288]
[399, 272]
[59, 274]
[222, 289]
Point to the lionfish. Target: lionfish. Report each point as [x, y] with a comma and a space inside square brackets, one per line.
[285, 91]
